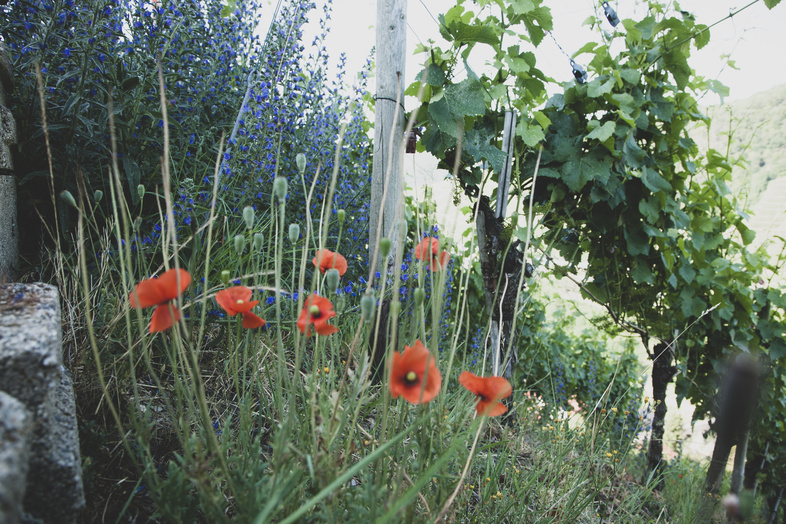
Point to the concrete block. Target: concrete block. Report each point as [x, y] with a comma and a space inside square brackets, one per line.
[9, 230]
[31, 370]
[30, 342]
[6, 73]
[7, 129]
[55, 464]
[15, 435]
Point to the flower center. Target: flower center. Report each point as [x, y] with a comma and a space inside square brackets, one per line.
[411, 377]
[314, 311]
[240, 301]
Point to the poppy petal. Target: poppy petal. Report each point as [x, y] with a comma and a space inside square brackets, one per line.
[319, 319]
[415, 361]
[251, 321]
[162, 318]
[235, 300]
[489, 391]
[444, 258]
[327, 259]
[168, 282]
[146, 294]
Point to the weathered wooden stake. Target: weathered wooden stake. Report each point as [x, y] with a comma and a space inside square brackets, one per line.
[389, 125]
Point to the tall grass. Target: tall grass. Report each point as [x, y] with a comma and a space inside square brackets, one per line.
[218, 422]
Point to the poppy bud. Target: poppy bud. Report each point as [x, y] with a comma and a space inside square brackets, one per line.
[300, 160]
[332, 277]
[140, 190]
[341, 304]
[98, 195]
[240, 243]
[402, 231]
[420, 296]
[137, 224]
[294, 232]
[367, 303]
[280, 188]
[259, 240]
[384, 247]
[248, 216]
[68, 198]
[395, 307]
[341, 216]
[225, 277]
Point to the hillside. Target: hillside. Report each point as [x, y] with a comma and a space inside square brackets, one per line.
[757, 126]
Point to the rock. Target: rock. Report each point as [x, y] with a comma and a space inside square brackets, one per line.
[31, 370]
[15, 433]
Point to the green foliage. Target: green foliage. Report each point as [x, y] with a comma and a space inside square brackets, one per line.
[623, 190]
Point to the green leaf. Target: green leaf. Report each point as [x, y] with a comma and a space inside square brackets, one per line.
[531, 135]
[445, 120]
[547, 172]
[746, 233]
[654, 181]
[650, 209]
[637, 240]
[716, 86]
[687, 273]
[595, 88]
[576, 173]
[777, 349]
[589, 47]
[466, 33]
[466, 98]
[538, 21]
[677, 63]
[625, 102]
[702, 37]
[477, 142]
[435, 76]
[542, 119]
[631, 76]
[522, 7]
[133, 175]
[632, 154]
[556, 101]
[661, 108]
[641, 274]
[436, 141]
[602, 132]
[771, 3]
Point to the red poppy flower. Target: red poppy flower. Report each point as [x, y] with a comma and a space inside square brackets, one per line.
[428, 250]
[489, 390]
[327, 259]
[159, 292]
[408, 372]
[236, 300]
[318, 310]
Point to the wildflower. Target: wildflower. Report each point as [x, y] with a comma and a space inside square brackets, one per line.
[327, 259]
[318, 310]
[428, 250]
[414, 374]
[489, 390]
[236, 300]
[159, 292]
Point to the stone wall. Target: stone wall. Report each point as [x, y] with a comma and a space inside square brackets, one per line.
[40, 466]
[9, 233]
